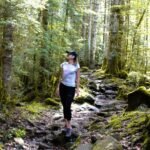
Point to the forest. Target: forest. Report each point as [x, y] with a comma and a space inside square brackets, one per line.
[112, 40]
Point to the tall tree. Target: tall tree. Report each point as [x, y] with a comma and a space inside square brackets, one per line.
[116, 27]
[7, 49]
[94, 33]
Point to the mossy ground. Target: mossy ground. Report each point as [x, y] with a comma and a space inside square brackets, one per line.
[33, 110]
[131, 123]
[85, 69]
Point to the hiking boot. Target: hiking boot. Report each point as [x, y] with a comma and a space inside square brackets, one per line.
[68, 132]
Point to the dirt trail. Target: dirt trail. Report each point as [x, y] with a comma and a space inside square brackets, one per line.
[46, 133]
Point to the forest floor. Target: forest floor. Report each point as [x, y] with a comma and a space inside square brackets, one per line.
[100, 116]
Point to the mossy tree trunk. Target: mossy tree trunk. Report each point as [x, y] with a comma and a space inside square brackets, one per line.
[89, 32]
[6, 52]
[114, 59]
[94, 34]
[6, 63]
[43, 17]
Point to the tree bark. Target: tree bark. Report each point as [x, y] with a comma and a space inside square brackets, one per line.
[94, 34]
[89, 32]
[114, 63]
[7, 47]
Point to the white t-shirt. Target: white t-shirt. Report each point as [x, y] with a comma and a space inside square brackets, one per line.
[69, 73]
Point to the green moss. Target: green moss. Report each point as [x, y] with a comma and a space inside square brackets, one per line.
[35, 107]
[99, 73]
[123, 92]
[85, 69]
[52, 102]
[144, 90]
[83, 97]
[146, 143]
[122, 74]
[115, 122]
[138, 97]
[14, 132]
[76, 143]
[96, 126]
[83, 82]
[134, 78]
[132, 123]
[1, 146]
[19, 132]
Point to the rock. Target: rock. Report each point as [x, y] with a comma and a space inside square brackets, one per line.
[85, 98]
[94, 85]
[57, 116]
[117, 136]
[95, 137]
[55, 127]
[138, 97]
[44, 146]
[98, 97]
[108, 143]
[143, 107]
[84, 147]
[122, 74]
[89, 107]
[104, 114]
[52, 102]
[19, 141]
[112, 87]
[95, 93]
[110, 92]
[105, 103]
[85, 69]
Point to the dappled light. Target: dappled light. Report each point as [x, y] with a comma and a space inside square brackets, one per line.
[75, 74]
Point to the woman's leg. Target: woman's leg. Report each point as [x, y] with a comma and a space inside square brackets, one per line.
[62, 93]
[69, 100]
[67, 95]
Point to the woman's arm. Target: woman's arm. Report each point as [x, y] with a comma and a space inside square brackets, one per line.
[78, 81]
[59, 80]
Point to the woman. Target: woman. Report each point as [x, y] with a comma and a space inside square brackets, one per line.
[67, 87]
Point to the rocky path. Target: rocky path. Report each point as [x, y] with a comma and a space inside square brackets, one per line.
[46, 134]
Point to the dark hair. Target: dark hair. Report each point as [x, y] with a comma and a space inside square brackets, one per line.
[73, 53]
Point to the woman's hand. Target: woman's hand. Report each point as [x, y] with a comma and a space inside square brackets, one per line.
[77, 92]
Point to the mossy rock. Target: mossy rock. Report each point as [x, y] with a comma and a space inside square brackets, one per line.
[122, 74]
[83, 82]
[134, 78]
[85, 69]
[132, 122]
[84, 96]
[50, 101]
[108, 143]
[87, 98]
[138, 97]
[86, 146]
[99, 73]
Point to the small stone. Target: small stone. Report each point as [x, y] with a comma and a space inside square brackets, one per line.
[93, 139]
[19, 141]
[43, 146]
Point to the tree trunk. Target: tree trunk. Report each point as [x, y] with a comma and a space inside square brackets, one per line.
[89, 32]
[7, 54]
[94, 34]
[106, 32]
[114, 63]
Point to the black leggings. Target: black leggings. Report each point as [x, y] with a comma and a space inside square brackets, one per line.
[66, 94]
